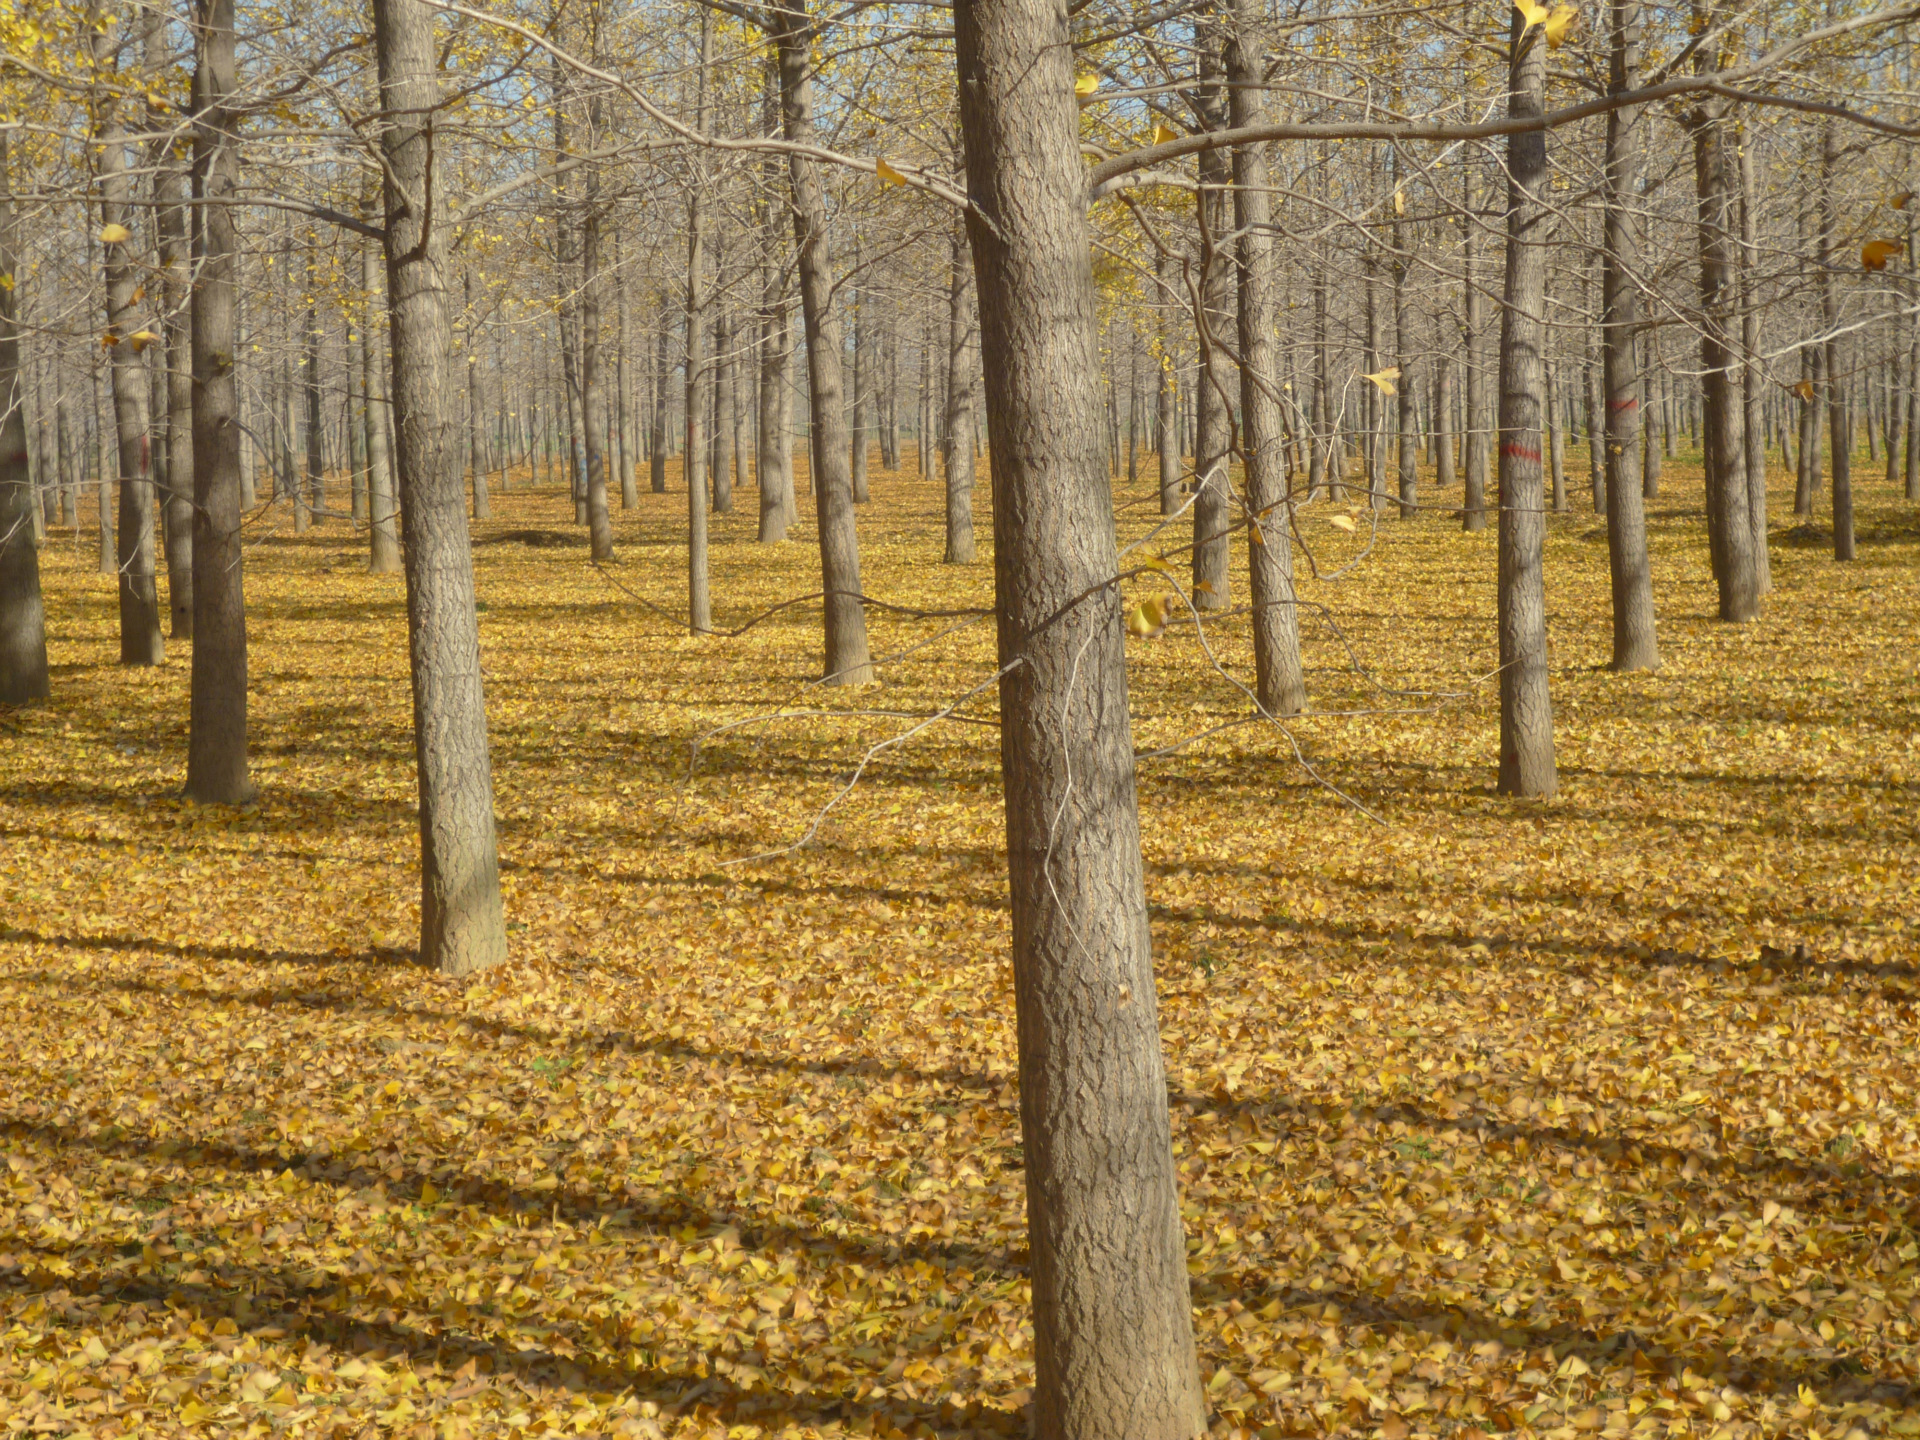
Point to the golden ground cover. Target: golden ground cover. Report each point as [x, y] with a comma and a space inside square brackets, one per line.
[1491, 1116]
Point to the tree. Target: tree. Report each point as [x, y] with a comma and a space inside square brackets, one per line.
[1526, 711]
[23, 625]
[462, 927]
[1113, 1330]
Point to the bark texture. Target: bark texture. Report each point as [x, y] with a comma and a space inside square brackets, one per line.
[462, 927]
[1526, 712]
[1113, 1339]
[23, 622]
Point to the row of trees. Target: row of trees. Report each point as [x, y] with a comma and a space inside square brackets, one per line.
[1308, 255]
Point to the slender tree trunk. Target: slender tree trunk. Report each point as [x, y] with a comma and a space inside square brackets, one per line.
[1113, 1336]
[476, 408]
[170, 186]
[1839, 416]
[723, 343]
[1526, 711]
[862, 363]
[847, 658]
[662, 373]
[140, 639]
[1473, 504]
[1729, 522]
[383, 527]
[1443, 421]
[23, 620]
[699, 600]
[959, 423]
[1556, 440]
[314, 489]
[462, 928]
[1407, 475]
[1635, 646]
[1752, 400]
[1807, 473]
[1279, 682]
[777, 503]
[593, 357]
[217, 708]
[1213, 444]
[1167, 420]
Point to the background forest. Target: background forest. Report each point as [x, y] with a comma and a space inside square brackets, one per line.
[958, 720]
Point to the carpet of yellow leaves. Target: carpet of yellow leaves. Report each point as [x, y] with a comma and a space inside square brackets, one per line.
[1590, 1117]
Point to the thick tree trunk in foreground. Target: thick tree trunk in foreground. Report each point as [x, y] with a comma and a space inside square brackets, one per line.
[217, 733]
[1279, 682]
[1113, 1334]
[462, 928]
[1635, 646]
[848, 661]
[23, 621]
[1526, 712]
[959, 427]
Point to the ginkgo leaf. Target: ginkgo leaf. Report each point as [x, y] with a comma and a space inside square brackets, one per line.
[888, 175]
[1902, 200]
[1086, 85]
[1804, 389]
[1383, 380]
[1531, 14]
[1158, 564]
[1341, 522]
[109, 340]
[1163, 135]
[1559, 23]
[141, 339]
[1203, 587]
[1399, 202]
[1876, 253]
[114, 234]
[1148, 618]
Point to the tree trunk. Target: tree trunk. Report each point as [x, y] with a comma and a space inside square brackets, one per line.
[1752, 400]
[1407, 475]
[314, 491]
[1473, 503]
[1526, 711]
[1729, 520]
[1556, 440]
[1113, 1337]
[1839, 418]
[847, 658]
[1443, 421]
[862, 363]
[1635, 646]
[593, 357]
[462, 928]
[383, 531]
[693, 465]
[217, 707]
[23, 619]
[170, 215]
[1213, 444]
[1166, 420]
[140, 640]
[662, 372]
[777, 503]
[723, 477]
[959, 422]
[1279, 682]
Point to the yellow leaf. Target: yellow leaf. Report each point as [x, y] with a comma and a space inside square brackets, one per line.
[1086, 85]
[1876, 253]
[109, 340]
[1383, 379]
[141, 339]
[1399, 202]
[1147, 619]
[1573, 1367]
[1341, 522]
[115, 234]
[888, 175]
[1900, 201]
[1559, 23]
[1203, 587]
[1531, 14]
[428, 1195]
[1158, 564]
[193, 1412]
[1164, 135]
[1804, 389]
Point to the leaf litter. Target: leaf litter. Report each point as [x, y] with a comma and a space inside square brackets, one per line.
[1591, 1117]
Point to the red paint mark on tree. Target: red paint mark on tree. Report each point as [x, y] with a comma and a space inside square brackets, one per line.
[1514, 450]
[1629, 404]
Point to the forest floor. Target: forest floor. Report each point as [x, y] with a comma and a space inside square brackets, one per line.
[1586, 1116]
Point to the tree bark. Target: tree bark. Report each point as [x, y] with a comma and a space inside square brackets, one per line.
[1407, 474]
[1213, 444]
[1752, 399]
[23, 619]
[313, 495]
[1113, 1338]
[959, 423]
[1166, 417]
[847, 660]
[170, 215]
[1839, 416]
[1635, 646]
[383, 524]
[693, 466]
[1279, 682]
[1473, 503]
[462, 928]
[140, 640]
[1526, 711]
[217, 772]
[593, 358]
